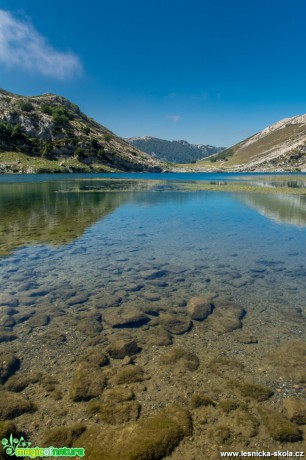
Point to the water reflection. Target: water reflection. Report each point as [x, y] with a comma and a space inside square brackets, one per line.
[289, 209]
[59, 212]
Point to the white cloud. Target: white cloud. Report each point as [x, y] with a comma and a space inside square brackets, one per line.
[22, 46]
[174, 118]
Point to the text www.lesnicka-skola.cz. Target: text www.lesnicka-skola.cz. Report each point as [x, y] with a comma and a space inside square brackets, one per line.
[263, 453]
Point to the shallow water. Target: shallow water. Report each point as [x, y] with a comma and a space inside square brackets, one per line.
[73, 229]
[97, 237]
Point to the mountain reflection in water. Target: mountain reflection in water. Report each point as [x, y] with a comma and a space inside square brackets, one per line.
[58, 212]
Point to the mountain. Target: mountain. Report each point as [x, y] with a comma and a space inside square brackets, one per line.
[48, 133]
[279, 147]
[173, 151]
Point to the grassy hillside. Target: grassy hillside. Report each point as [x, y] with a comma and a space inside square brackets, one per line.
[281, 146]
[49, 133]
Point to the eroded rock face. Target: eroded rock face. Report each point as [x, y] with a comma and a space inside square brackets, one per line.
[150, 438]
[52, 125]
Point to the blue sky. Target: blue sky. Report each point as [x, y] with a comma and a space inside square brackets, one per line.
[206, 71]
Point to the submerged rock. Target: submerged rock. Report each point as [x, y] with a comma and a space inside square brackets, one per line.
[115, 413]
[246, 339]
[77, 299]
[128, 374]
[7, 428]
[258, 392]
[121, 348]
[296, 409]
[7, 321]
[280, 428]
[226, 317]
[8, 300]
[150, 438]
[6, 336]
[63, 436]
[175, 324]
[12, 405]
[201, 399]
[289, 360]
[118, 394]
[95, 358]
[199, 308]
[180, 356]
[155, 336]
[20, 381]
[9, 364]
[39, 320]
[88, 382]
[124, 317]
[89, 323]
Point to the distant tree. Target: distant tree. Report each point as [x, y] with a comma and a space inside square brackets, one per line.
[17, 132]
[94, 144]
[86, 130]
[46, 109]
[5, 130]
[26, 106]
[107, 137]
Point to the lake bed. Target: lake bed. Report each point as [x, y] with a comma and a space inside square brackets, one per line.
[123, 296]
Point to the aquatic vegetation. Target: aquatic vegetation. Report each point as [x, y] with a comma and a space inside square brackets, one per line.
[152, 437]
[280, 428]
[200, 399]
[180, 357]
[258, 392]
[113, 412]
[12, 405]
[129, 374]
[88, 382]
[63, 436]
[9, 364]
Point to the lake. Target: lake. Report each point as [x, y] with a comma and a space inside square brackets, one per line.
[124, 294]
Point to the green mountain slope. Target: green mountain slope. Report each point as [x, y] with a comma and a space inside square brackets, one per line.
[49, 133]
[279, 147]
[173, 151]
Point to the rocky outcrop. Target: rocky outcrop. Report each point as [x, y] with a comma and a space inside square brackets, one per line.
[54, 129]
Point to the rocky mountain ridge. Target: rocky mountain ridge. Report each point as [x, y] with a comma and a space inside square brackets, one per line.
[49, 130]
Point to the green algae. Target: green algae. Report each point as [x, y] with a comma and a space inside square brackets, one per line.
[258, 392]
[150, 438]
[279, 427]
